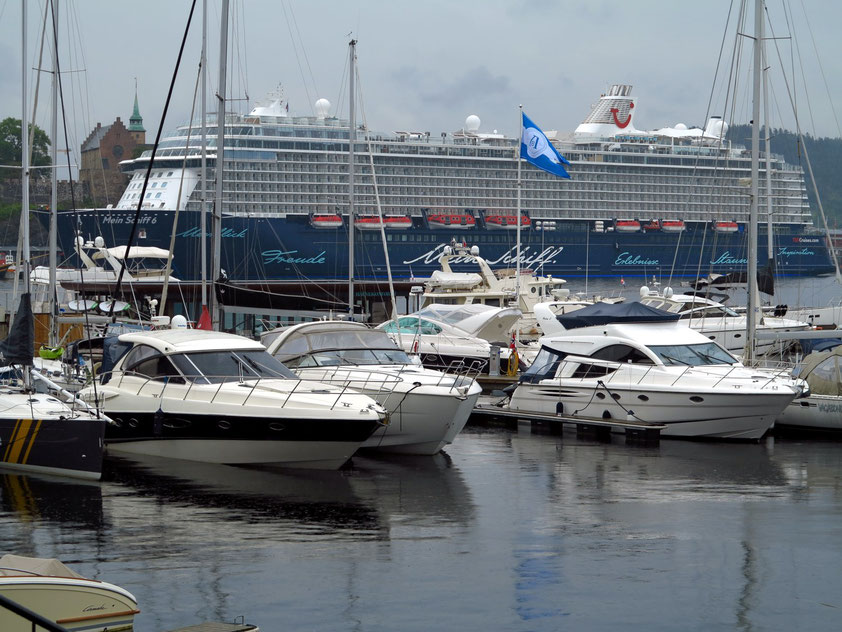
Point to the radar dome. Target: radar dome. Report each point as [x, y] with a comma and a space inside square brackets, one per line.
[717, 128]
[178, 322]
[99, 242]
[680, 126]
[472, 123]
[322, 108]
[644, 291]
[475, 250]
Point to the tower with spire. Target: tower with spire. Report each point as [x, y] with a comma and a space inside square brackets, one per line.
[136, 122]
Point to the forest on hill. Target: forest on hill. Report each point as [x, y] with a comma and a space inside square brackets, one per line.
[825, 156]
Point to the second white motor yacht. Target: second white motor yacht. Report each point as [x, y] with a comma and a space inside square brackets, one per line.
[427, 408]
[219, 398]
[634, 362]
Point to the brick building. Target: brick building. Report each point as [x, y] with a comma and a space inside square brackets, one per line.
[102, 152]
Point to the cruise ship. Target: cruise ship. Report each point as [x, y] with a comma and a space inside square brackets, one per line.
[670, 203]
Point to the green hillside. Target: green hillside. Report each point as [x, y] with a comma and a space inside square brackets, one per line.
[825, 156]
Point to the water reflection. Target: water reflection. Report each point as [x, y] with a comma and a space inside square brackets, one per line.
[507, 530]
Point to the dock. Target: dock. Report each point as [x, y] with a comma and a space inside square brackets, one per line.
[636, 432]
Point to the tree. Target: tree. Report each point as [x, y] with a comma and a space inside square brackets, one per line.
[10, 147]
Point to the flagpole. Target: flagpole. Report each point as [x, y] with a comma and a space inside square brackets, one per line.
[519, 184]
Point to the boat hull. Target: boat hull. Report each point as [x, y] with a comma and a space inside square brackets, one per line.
[76, 604]
[816, 412]
[686, 414]
[289, 248]
[53, 445]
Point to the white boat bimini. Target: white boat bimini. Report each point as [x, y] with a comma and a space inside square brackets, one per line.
[51, 589]
[629, 361]
[220, 398]
[427, 408]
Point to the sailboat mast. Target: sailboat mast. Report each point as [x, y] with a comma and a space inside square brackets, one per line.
[24, 156]
[770, 241]
[517, 210]
[753, 308]
[352, 138]
[220, 148]
[203, 217]
[53, 237]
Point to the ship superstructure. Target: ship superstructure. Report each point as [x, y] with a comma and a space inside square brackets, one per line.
[668, 201]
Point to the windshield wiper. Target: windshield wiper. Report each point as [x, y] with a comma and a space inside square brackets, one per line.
[675, 360]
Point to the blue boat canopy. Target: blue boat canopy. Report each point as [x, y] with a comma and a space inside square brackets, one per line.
[604, 313]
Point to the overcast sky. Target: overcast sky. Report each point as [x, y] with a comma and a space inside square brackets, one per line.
[424, 66]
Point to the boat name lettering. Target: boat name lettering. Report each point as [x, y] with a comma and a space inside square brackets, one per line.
[830, 408]
[627, 259]
[790, 252]
[728, 259]
[121, 219]
[92, 608]
[226, 232]
[284, 256]
[528, 257]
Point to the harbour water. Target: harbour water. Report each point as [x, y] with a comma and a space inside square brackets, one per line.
[508, 530]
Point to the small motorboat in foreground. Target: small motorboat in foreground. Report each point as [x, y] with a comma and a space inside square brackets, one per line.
[51, 589]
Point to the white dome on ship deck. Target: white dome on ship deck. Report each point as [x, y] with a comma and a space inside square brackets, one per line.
[472, 123]
[680, 126]
[322, 108]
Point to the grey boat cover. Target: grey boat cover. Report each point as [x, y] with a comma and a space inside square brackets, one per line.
[604, 313]
[822, 371]
[15, 565]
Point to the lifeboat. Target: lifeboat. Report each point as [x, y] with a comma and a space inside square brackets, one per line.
[460, 221]
[325, 220]
[652, 225]
[725, 227]
[672, 225]
[372, 222]
[506, 221]
[626, 225]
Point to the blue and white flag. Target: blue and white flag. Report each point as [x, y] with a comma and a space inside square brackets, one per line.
[535, 148]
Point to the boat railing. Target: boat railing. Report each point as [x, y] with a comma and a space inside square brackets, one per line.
[175, 384]
[768, 379]
[381, 383]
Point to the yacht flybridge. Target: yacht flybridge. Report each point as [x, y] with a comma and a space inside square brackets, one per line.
[427, 408]
[219, 398]
[634, 362]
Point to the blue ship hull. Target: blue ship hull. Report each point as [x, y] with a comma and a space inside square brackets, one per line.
[290, 248]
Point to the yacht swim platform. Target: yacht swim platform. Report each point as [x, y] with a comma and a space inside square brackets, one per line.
[636, 431]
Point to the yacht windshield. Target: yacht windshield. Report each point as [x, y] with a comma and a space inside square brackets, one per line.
[693, 355]
[235, 364]
[350, 357]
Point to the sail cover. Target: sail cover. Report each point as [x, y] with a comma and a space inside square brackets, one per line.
[604, 313]
[19, 346]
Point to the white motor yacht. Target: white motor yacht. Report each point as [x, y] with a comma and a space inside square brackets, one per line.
[219, 398]
[427, 408]
[448, 336]
[52, 590]
[633, 362]
[718, 322]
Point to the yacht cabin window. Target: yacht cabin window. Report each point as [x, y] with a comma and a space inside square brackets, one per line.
[692, 355]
